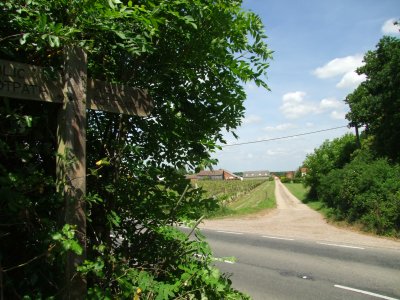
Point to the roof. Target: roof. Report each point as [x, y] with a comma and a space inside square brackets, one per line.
[256, 172]
[211, 173]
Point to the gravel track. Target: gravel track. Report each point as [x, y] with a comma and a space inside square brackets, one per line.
[293, 219]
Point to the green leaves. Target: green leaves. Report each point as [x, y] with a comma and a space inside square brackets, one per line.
[192, 56]
[114, 3]
[329, 156]
[96, 267]
[114, 219]
[66, 238]
[364, 188]
[375, 102]
[365, 191]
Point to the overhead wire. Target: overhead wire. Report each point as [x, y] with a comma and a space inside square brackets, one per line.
[283, 137]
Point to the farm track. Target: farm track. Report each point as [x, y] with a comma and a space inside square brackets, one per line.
[294, 219]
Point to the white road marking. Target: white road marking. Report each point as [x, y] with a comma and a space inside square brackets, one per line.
[364, 292]
[230, 232]
[277, 238]
[228, 262]
[343, 246]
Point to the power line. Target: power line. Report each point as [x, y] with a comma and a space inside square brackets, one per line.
[283, 137]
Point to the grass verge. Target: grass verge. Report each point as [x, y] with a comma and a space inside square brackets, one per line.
[258, 199]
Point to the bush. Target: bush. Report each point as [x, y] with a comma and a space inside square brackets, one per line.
[285, 179]
[329, 156]
[365, 191]
[298, 180]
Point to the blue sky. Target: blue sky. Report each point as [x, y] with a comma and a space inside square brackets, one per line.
[317, 46]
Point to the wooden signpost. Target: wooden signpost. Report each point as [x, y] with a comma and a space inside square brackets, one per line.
[75, 93]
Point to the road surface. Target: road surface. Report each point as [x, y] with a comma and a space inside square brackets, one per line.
[269, 267]
[293, 253]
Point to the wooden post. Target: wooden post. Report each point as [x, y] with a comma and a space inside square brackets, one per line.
[76, 94]
[71, 163]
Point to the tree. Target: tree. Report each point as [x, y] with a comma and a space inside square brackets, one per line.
[375, 103]
[192, 55]
[329, 156]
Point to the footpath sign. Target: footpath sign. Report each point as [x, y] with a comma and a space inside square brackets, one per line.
[75, 93]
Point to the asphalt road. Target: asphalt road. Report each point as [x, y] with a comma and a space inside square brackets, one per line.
[269, 267]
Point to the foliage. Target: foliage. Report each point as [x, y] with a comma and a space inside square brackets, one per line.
[329, 156]
[363, 186]
[285, 179]
[367, 191]
[192, 55]
[375, 103]
[29, 206]
[180, 269]
[298, 180]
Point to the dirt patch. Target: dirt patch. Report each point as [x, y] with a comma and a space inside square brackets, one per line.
[293, 219]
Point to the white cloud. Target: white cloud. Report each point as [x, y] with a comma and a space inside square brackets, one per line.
[345, 67]
[252, 119]
[294, 106]
[339, 66]
[335, 107]
[338, 115]
[389, 28]
[274, 152]
[351, 80]
[329, 103]
[280, 127]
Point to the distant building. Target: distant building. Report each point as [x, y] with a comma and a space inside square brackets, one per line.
[220, 174]
[290, 174]
[191, 177]
[256, 174]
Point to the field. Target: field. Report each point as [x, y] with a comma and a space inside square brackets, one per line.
[239, 197]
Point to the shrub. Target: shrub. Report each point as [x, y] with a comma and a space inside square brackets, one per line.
[298, 180]
[330, 155]
[367, 192]
[285, 179]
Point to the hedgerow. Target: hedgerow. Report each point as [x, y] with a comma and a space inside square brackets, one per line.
[367, 192]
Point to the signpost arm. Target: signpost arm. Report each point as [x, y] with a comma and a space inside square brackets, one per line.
[71, 163]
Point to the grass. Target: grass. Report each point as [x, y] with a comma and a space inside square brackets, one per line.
[231, 190]
[260, 198]
[300, 192]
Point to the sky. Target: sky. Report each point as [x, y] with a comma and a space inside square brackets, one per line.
[317, 45]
